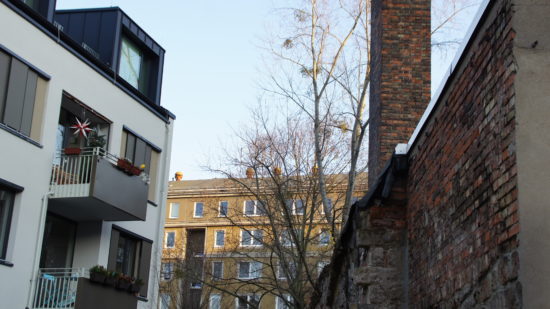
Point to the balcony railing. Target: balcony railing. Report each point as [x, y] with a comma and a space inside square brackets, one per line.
[70, 288]
[57, 287]
[92, 184]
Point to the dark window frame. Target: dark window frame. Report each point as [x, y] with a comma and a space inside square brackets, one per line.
[13, 189]
[145, 255]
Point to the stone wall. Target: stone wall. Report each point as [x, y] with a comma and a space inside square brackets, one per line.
[369, 265]
[462, 213]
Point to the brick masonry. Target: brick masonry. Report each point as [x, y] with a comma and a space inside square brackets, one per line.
[458, 241]
[462, 213]
[400, 75]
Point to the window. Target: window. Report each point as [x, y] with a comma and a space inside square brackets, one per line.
[320, 266]
[22, 90]
[217, 270]
[253, 208]
[296, 207]
[282, 273]
[223, 209]
[166, 270]
[127, 255]
[251, 238]
[139, 152]
[165, 301]
[130, 254]
[6, 208]
[170, 239]
[248, 301]
[329, 208]
[283, 302]
[214, 301]
[286, 238]
[220, 239]
[324, 238]
[131, 61]
[174, 210]
[250, 270]
[198, 210]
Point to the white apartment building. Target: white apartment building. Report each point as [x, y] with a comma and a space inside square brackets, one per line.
[79, 93]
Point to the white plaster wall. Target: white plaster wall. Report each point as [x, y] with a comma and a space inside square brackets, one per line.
[29, 166]
[532, 51]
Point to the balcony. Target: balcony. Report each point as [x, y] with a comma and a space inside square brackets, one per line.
[89, 186]
[70, 288]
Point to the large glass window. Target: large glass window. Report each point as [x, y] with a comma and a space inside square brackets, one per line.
[170, 239]
[20, 104]
[199, 207]
[252, 238]
[58, 244]
[217, 270]
[215, 301]
[127, 255]
[174, 210]
[223, 209]
[6, 209]
[250, 270]
[139, 152]
[131, 60]
[254, 208]
[220, 239]
[248, 301]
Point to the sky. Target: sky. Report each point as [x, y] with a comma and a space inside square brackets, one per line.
[213, 60]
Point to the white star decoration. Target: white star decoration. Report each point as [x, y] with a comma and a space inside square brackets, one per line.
[81, 128]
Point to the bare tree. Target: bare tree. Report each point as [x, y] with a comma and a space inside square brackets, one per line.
[278, 229]
[322, 56]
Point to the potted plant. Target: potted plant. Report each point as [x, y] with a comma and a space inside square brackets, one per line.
[124, 164]
[123, 282]
[98, 274]
[134, 170]
[111, 278]
[136, 286]
[96, 140]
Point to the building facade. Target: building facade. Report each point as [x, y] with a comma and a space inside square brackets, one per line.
[458, 216]
[227, 246]
[85, 151]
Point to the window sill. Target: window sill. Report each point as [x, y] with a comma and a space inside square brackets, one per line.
[6, 263]
[21, 136]
[142, 298]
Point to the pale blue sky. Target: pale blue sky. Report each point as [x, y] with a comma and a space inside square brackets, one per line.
[212, 61]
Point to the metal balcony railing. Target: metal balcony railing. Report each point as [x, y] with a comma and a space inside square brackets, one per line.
[72, 174]
[57, 287]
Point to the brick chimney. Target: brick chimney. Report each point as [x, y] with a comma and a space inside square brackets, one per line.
[400, 75]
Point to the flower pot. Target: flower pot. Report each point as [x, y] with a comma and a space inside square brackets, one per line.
[123, 285]
[134, 288]
[72, 151]
[123, 164]
[135, 171]
[97, 277]
[110, 281]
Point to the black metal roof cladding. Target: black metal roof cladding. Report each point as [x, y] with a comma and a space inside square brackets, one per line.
[64, 40]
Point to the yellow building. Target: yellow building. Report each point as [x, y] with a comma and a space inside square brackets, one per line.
[241, 242]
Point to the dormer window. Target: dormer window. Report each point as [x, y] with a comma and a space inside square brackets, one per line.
[131, 60]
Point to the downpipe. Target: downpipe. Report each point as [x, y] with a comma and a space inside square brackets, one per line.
[38, 248]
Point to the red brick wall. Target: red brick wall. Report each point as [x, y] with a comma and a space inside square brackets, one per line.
[400, 78]
[463, 211]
